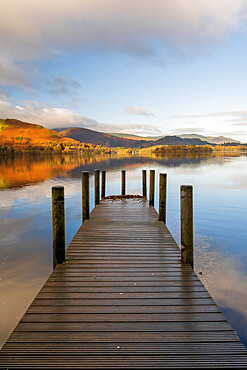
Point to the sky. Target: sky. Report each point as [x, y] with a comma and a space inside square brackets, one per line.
[147, 68]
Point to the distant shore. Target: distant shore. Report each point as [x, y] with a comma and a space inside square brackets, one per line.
[90, 149]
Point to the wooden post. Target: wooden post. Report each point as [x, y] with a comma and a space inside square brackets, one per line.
[123, 182]
[144, 183]
[162, 197]
[151, 188]
[58, 225]
[96, 186]
[85, 196]
[187, 224]
[103, 184]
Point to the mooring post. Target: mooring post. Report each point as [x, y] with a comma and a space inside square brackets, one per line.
[96, 186]
[187, 224]
[144, 183]
[123, 182]
[162, 197]
[151, 188]
[85, 196]
[58, 225]
[103, 184]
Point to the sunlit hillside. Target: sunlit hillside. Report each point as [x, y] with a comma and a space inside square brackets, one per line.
[23, 134]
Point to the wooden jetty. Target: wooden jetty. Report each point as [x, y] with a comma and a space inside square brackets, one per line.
[123, 299]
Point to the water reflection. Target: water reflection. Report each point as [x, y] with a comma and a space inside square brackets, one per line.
[28, 170]
[226, 280]
[220, 228]
[22, 171]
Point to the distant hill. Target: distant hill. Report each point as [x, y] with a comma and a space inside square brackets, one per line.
[22, 134]
[171, 140]
[192, 136]
[176, 140]
[59, 129]
[210, 139]
[134, 137]
[85, 135]
[98, 138]
[221, 140]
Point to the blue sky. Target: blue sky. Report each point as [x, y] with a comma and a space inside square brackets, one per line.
[163, 67]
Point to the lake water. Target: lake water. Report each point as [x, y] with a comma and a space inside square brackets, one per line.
[220, 212]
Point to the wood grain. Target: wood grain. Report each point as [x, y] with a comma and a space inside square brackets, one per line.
[123, 299]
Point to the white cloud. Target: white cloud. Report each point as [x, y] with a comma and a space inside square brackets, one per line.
[75, 102]
[62, 85]
[131, 128]
[4, 94]
[54, 117]
[49, 117]
[240, 122]
[138, 111]
[11, 73]
[235, 118]
[188, 130]
[32, 29]
[218, 123]
[237, 114]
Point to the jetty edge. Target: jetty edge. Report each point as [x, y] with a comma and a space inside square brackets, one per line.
[123, 295]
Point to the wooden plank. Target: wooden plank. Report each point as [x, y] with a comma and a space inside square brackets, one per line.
[124, 326]
[122, 277]
[123, 309]
[123, 300]
[186, 284]
[123, 317]
[96, 348]
[106, 362]
[124, 289]
[123, 295]
[119, 302]
[122, 336]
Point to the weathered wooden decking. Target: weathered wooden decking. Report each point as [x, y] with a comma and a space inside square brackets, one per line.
[123, 300]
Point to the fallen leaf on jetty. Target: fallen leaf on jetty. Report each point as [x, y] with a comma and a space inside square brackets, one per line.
[118, 197]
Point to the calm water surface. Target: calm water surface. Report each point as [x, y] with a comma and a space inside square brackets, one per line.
[220, 211]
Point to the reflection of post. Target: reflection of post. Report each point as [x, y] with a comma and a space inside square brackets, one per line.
[96, 186]
[187, 224]
[58, 225]
[162, 197]
[103, 184]
[85, 196]
[151, 188]
[144, 183]
[123, 182]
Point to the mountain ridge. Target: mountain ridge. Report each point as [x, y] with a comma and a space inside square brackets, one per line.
[210, 139]
[89, 136]
[99, 138]
[18, 133]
